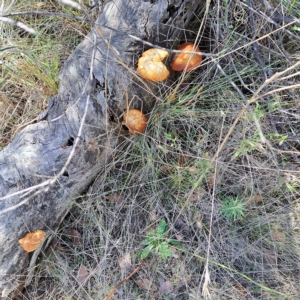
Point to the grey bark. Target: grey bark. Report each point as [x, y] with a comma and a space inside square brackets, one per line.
[40, 151]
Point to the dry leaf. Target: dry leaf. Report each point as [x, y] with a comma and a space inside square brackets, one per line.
[278, 236]
[125, 262]
[255, 199]
[166, 288]
[146, 284]
[75, 236]
[31, 241]
[269, 256]
[184, 158]
[270, 259]
[118, 199]
[82, 275]
[54, 244]
[165, 169]
[211, 181]
[240, 288]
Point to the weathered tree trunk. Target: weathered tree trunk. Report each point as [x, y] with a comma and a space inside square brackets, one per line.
[79, 118]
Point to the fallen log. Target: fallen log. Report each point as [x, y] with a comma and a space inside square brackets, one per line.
[54, 160]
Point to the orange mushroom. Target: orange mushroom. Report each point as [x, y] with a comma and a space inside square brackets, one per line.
[183, 60]
[31, 241]
[150, 65]
[135, 121]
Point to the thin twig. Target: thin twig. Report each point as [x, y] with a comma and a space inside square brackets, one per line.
[294, 86]
[18, 24]
[42, 13]
[205, 291]
[171, 50]
[123, 281]
[71, 3]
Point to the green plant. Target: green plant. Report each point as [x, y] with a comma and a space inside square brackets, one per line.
[233, 208]
[247, 145]
[157, 243]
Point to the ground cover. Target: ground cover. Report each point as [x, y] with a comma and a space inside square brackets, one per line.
[205, 203]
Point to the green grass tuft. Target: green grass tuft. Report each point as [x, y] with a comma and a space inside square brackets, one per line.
[233, 208]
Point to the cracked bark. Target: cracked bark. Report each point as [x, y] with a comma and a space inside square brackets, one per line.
[40, 151]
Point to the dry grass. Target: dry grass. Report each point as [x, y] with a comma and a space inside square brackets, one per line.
[180, 170]
[30, 64]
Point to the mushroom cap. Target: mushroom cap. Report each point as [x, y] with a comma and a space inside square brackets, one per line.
[150, 65]
[135, 121]
[31, 241]
[182, 60]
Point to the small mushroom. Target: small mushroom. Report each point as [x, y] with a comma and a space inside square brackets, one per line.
[183, 60]
[150, 65]
[135, 121]
[31, 241]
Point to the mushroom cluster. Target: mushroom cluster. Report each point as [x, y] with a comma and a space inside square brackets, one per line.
[151, 67]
